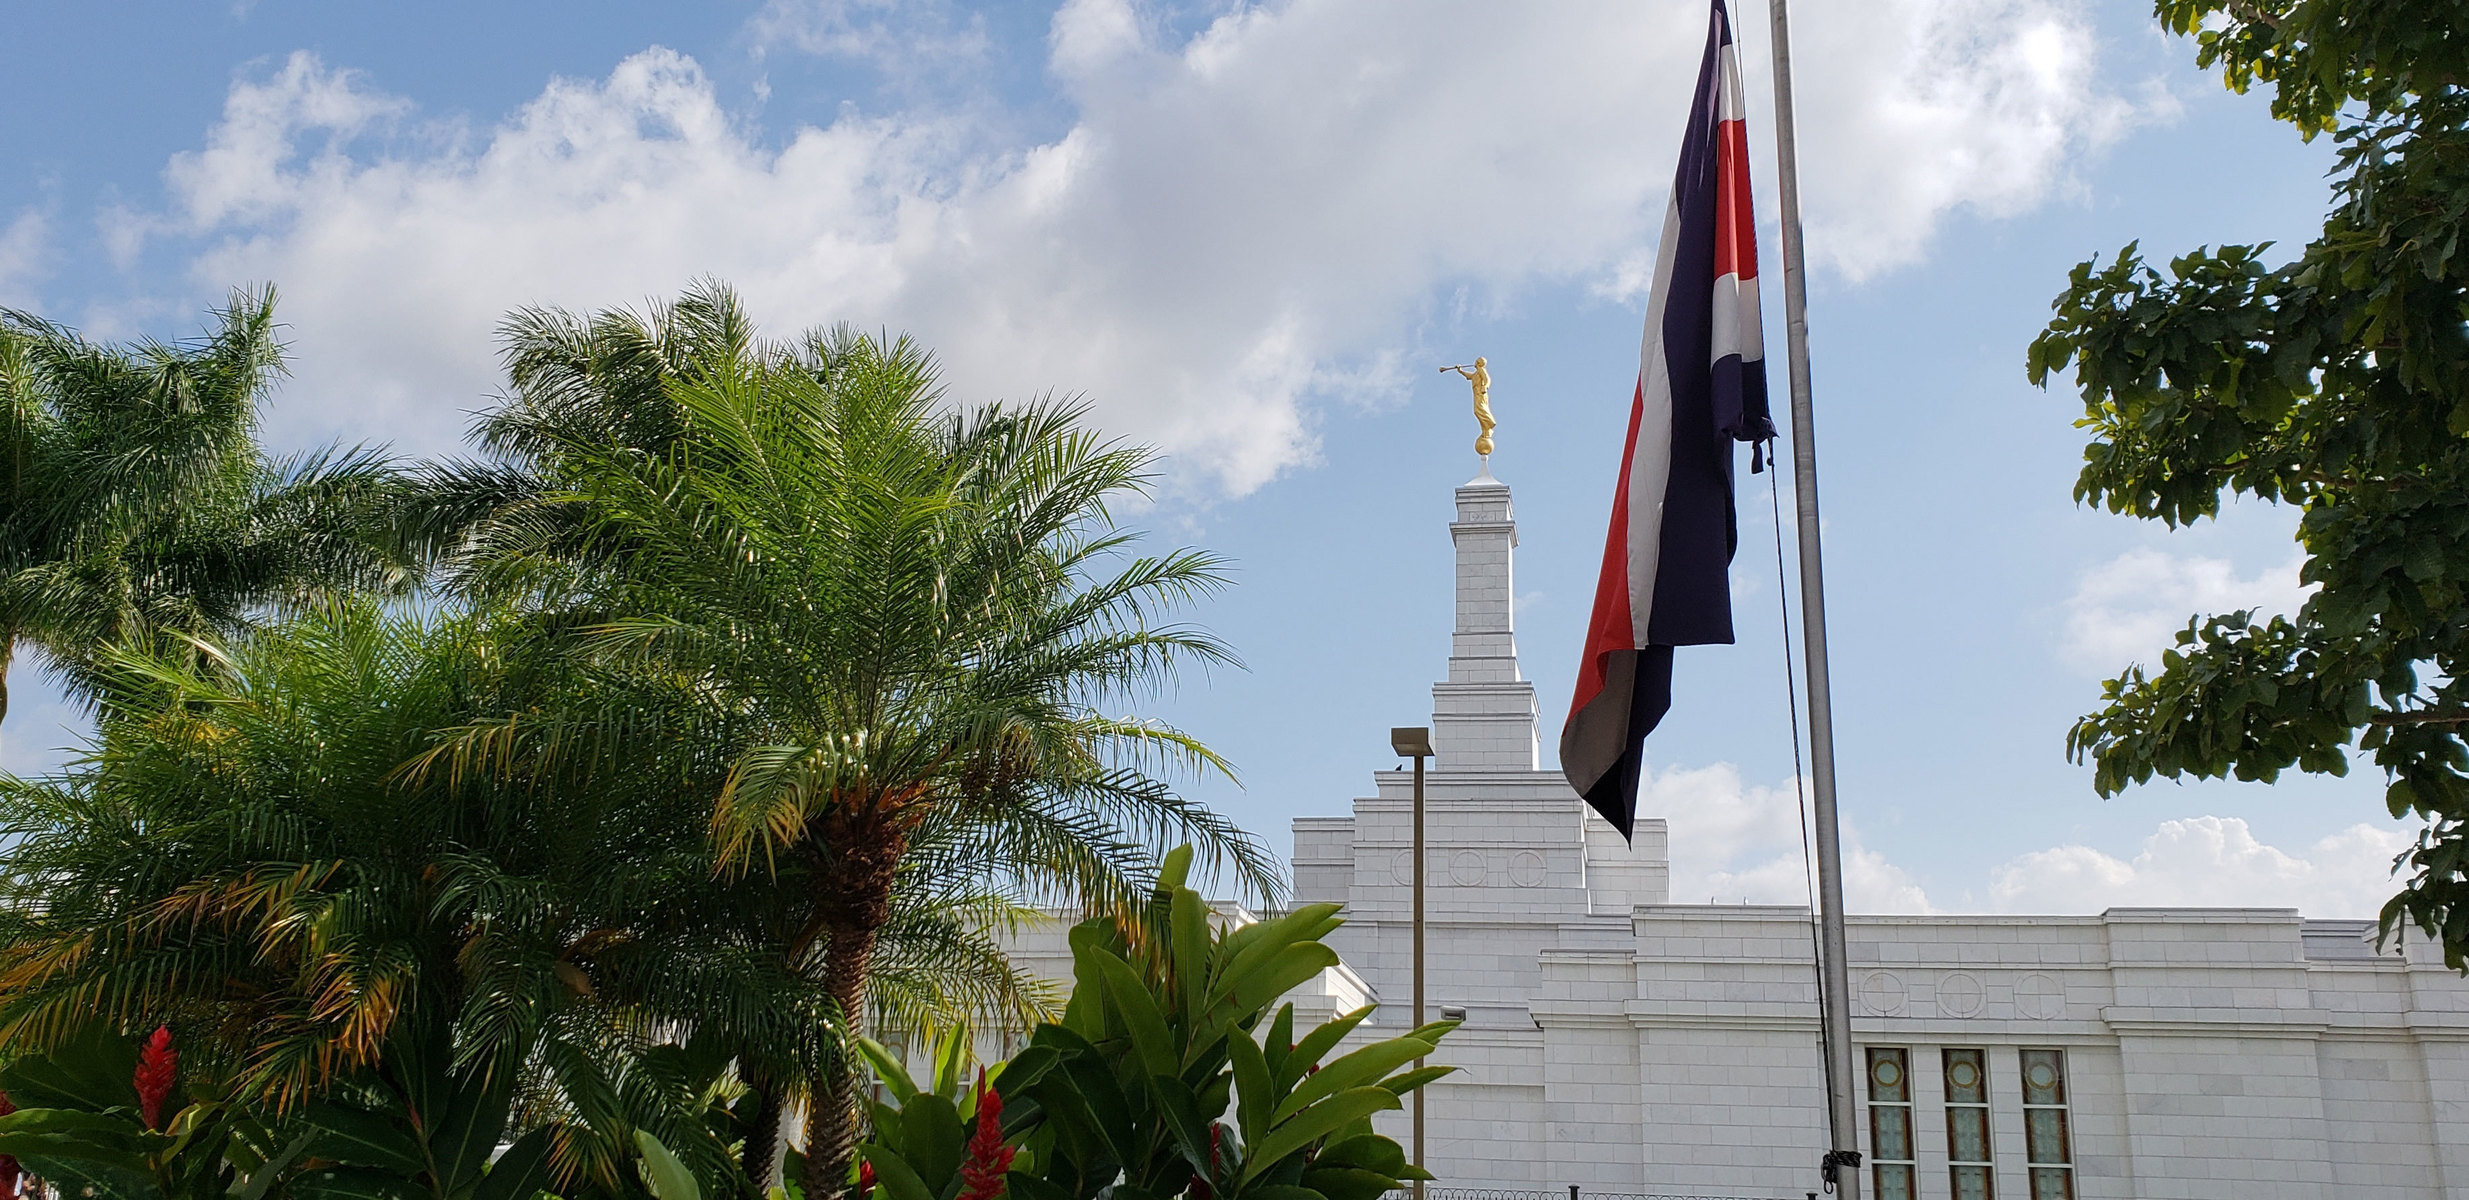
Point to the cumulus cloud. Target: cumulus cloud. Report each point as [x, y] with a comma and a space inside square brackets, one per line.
[2129, 609]
[1237, 228]
[1913, 109]
[2208, 861]
[22, 257]
[1733, 842]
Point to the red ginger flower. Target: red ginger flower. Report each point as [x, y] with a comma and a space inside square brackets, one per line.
[865, 1179]
[10, 1172]
[155, 1066]
[981, 1177]
[1201, 1189]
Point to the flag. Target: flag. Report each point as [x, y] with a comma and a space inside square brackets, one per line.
[1701, 386]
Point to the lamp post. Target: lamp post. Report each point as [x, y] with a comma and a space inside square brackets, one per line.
[1416, 743]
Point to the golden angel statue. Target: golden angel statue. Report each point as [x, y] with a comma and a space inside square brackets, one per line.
[1481, 377]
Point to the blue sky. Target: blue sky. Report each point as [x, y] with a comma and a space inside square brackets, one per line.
[1247, 233]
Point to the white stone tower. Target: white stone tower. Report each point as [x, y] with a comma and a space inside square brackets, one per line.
[1510, 844]
[1483, 717]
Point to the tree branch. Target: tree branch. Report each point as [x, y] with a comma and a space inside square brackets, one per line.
[2423, 716]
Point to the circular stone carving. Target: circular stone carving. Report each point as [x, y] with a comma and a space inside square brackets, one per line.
[1468, 868]
[1526, 869]
[1882, 994]
[1960, 995]
[1402, 867]
[2039, 998]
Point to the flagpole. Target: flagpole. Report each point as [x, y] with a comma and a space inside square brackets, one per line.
[1834, 986]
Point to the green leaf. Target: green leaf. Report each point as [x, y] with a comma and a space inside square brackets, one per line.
[888, 1068]
[1363, 1068]
[1279, 974]
[1023, 1070]
[1255, 1089]
[1184, 1122]
[1131, 1001]
[1278, 1191]
[1316, 1122]
[667, 1177]
[351, 1183]
[106, 1129]
[951, 1067]
[90, 1072]
[475, 1119]
[932, 1138]
[1175, 868]
[254, 1184]
[79, 1179]
[895, 1176]
[1248, 948]
[1316, 1044]
[360, 1138]
[1279, 1041]
[1188, 922]
[1024, 1186]
[522, 1171]
[1369, 1151]
[1407, 1081]
[1348, 1183]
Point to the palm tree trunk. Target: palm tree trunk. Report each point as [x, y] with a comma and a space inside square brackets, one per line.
[763, 1140]
[866, 844]
[831, 1105]
[8, 652]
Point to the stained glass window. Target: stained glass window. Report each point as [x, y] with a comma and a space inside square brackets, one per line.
[1890, 1122]
[2048, 1147]
[1967, 1124]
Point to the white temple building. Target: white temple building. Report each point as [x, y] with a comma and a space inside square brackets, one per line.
[1620, 1042]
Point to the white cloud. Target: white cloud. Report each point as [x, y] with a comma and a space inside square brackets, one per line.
[1234, 231]
[1732, 843]
[2208, 861]
[24, 251]
[2129, 609]
[900, 36]
[1917, 108]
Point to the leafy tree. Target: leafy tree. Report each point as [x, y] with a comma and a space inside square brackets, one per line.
[903, 622]
[244, 855]
[267, 856]
[1167, 1076]
[135, 504]
[2333, 382]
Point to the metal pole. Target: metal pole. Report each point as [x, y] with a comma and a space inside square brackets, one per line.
[1418, 1195]
[1834, 986]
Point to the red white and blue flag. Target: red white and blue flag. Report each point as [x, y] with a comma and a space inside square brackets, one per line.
[1701, 387]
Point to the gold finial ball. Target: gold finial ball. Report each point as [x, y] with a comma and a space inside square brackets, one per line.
[1483, 445]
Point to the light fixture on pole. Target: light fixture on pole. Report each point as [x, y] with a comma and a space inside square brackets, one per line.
[1416, 743]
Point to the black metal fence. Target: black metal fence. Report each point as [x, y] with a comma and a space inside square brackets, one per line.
[1574, 1192]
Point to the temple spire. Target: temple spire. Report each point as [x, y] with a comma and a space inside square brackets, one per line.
[1483, 717]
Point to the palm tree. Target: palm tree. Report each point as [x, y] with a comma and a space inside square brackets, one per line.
[911, 621]
[241, 853]
[262, 855]
[135, 504]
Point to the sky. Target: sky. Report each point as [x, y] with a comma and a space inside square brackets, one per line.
[1246, 234]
